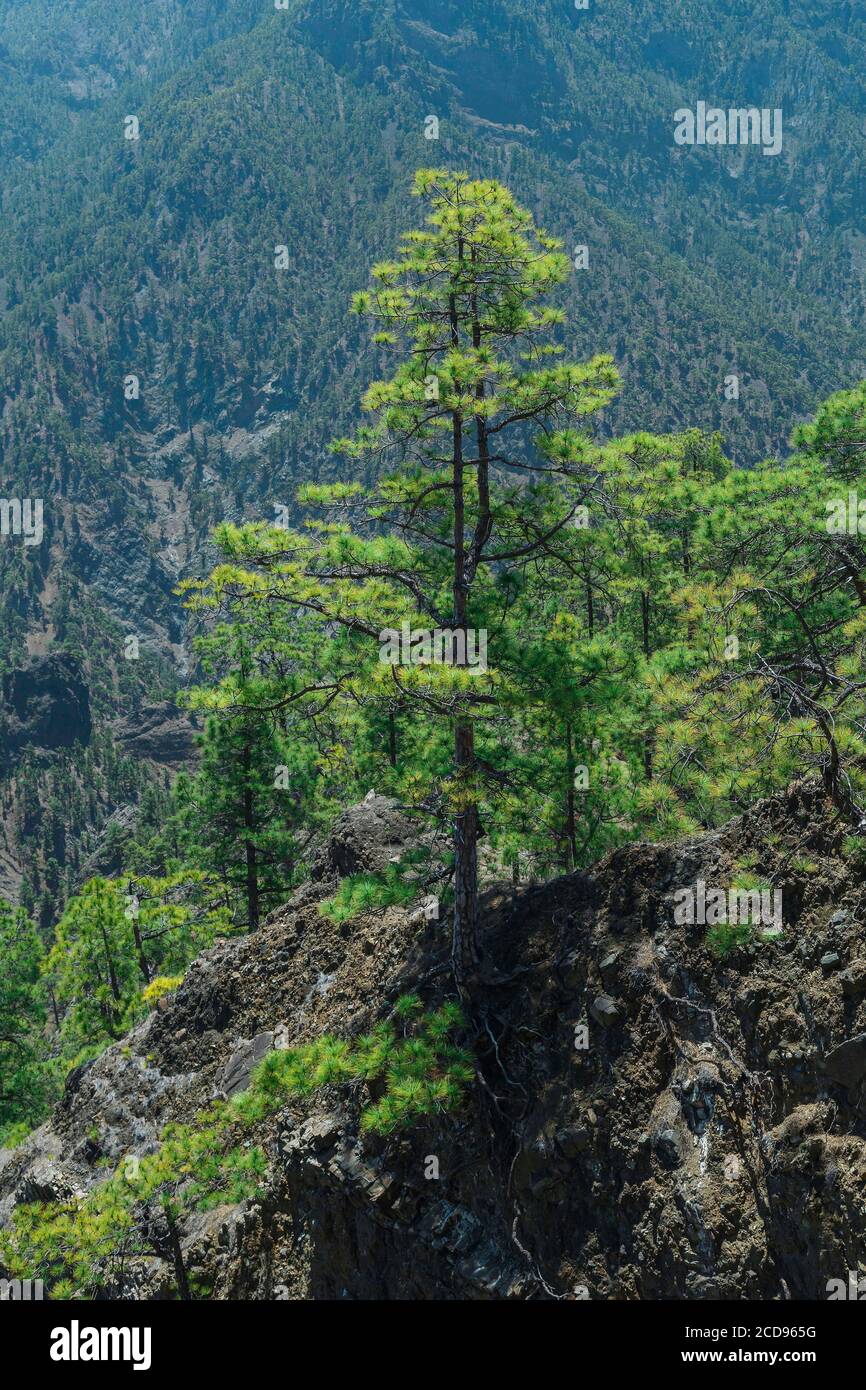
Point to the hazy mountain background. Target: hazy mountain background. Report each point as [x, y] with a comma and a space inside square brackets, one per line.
[300, 128]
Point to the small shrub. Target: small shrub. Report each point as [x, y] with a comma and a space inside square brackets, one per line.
[423, 1073]
[158, 987]
[855, 850]
[751, 886]
[749, 860]
[728, 936]
[803, 864]
[14, 1134]
[366, 892]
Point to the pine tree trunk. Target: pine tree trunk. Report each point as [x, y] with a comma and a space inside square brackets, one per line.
[570, 816]
[252, 884]
[645, 623]
[464, 946]
[139, 950]
[176, 1253]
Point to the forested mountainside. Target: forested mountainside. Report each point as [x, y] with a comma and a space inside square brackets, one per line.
[159, 372]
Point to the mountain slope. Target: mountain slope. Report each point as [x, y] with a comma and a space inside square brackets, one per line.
[706, 1142]
[154, 258]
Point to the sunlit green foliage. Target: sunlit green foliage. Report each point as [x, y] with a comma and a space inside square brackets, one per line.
[366, 892]
[423, 1072]
[79, 1247]
[25, 1080]
[113, 939]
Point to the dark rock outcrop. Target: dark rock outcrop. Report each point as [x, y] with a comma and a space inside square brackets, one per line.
[709, 1143]
[45, 705]
[160, 732]
[364, 839]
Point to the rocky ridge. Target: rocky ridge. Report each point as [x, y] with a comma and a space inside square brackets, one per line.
[650, 1120]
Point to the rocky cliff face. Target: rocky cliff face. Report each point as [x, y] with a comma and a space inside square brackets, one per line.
[46, 704]
[160, 733]
[649, 1120]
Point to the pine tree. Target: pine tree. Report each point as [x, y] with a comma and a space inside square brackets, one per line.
[243, 807]
[23, 1076]
[239, 812]
[114, 938]
[778, 604]
[477, 439]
